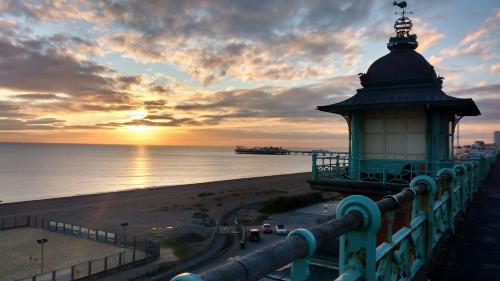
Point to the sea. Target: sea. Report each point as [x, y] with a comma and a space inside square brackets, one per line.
[30, 171]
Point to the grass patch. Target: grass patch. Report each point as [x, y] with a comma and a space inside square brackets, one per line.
[256, 221]
[200, 215]
[180, 249]
[287, 203]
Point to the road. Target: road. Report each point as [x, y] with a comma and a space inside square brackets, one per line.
[306, 217]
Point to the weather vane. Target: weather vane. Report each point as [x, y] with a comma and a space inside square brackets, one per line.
[403, 24]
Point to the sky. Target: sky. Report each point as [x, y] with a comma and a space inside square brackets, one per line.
[225, 73]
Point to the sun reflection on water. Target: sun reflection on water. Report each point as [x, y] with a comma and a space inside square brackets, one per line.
[141, 167]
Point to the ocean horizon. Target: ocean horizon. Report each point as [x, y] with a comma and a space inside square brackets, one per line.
[32, 171]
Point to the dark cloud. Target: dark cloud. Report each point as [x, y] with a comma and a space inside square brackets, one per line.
[44, 68]
[155, 105]
[41, 121]
[9, 124]
[287, 104]
[172, 122]
[10, 109]
[481, 90]
[159, 90]
[38, 96]
[163, 116]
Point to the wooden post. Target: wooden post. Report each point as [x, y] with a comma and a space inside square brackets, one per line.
[135, 246]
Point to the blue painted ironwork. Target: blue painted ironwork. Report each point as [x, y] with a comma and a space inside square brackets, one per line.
[357, 248]
[435, 204]
[384, 171]
[300, 267]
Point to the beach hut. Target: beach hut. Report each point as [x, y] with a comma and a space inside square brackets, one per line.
[401, 123]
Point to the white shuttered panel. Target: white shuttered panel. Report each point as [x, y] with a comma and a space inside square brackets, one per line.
[394, 134]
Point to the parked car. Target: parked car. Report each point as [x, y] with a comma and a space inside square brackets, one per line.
[281, 229]
[254, 235]
[267, 228]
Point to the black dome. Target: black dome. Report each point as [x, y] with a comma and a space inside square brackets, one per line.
[402, 66]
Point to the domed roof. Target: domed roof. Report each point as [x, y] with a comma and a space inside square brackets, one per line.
[402, 79]
[402, 66]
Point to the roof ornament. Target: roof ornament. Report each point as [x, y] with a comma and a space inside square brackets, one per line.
[403, 26]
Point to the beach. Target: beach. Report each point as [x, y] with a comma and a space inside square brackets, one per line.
[160, 210]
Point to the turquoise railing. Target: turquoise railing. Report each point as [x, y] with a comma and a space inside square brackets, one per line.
[434, 203]
[384, 171]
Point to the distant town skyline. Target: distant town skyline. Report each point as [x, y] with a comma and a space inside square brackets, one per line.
[223, 72]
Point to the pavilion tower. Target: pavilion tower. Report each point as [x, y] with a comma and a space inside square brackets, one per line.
[401, 124]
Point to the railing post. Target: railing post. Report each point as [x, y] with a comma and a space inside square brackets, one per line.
[451, 203]
[314, 172]
[186, 277]
[337, 173]
[429, 212]
[468, 185]
[461, 181]
[475, 178]
[300, 267]
[357, 256]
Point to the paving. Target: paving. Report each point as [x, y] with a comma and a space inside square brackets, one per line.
[20, 255]
[476, 253]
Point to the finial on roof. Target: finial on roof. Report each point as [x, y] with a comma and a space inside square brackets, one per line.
[403, 26]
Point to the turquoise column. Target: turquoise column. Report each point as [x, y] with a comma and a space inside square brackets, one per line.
[429, 213]
[357, 260]
[355, 157]
[300, 267]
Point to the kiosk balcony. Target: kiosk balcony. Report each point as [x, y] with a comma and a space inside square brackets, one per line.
[372, 176]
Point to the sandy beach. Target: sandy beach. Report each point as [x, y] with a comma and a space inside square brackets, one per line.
[159, 210]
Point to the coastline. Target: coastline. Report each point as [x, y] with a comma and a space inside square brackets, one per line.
[158, 210]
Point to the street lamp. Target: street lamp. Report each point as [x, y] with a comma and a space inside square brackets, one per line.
[124, 226]
[41, 242]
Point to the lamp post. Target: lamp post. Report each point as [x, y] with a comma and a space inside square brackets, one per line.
[42, 242]
[124, 226]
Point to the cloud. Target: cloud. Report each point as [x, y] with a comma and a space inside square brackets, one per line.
[172, 122]
[483, 42]
[38, 97]
[44, 69]
[495, 68]
[271, 102]
[427, 36]
[482, 92]
[9, 124]
[282, 40]
[44, 10]
[41, 121]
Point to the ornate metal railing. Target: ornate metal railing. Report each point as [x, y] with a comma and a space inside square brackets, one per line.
[366, 254]
[383, 171]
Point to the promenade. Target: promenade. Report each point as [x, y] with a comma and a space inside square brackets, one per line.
[476, 252]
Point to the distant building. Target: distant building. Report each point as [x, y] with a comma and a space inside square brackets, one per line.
[496, 137]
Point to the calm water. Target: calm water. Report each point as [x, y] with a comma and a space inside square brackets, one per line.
[36, 171]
